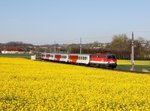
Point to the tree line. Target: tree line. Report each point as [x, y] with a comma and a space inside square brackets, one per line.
[120, 45]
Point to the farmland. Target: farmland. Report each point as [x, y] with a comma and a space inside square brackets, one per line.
[140, 65]
[27, 56]
[35, 85]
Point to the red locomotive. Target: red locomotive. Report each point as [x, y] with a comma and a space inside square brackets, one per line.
[99, 60]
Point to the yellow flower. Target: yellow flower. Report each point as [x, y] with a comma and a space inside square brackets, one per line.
[35, 85]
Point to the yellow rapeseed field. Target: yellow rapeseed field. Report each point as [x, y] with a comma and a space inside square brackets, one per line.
[27, 85]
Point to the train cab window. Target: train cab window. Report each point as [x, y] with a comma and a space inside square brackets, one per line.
[111, 57]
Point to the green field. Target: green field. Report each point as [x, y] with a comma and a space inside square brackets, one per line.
[27, 56]
[140, 65]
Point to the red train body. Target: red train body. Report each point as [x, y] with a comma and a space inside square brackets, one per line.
[99, 60]
[72, 58]
[57, 57]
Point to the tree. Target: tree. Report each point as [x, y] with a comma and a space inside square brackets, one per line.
[120, 45]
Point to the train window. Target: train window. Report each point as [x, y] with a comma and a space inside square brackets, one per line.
[111, 57]
[79, 57]
[98, 56]
[82, 58]
[47, 55]
[64, 57]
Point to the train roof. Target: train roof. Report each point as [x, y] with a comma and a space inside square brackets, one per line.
[100, 54]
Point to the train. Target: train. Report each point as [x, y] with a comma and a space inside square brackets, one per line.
[106, 60]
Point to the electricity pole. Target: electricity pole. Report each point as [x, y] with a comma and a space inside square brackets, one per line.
[80, 46]
[132, 53]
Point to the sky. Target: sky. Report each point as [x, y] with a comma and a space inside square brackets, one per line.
[66, 21]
